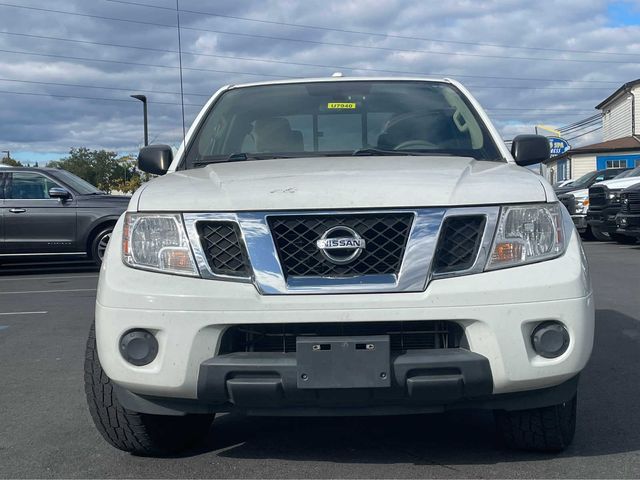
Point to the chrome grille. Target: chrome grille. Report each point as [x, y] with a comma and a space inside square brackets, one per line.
[223, 248]
[295, 237]
[458, 245]
[412, 335]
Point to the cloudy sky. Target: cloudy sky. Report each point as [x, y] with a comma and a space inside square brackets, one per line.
[67, 67]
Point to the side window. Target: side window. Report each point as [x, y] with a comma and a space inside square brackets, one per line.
[599, 178]
[27, 185]
[2, 180]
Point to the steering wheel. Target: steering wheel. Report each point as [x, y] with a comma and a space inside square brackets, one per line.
[415, 144]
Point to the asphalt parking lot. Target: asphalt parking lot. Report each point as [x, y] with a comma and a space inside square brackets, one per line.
[46, 431]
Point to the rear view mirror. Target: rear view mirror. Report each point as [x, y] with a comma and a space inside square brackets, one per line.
[60, 193]
[530, 149]
[155, 159]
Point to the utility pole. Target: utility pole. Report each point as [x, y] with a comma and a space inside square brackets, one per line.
[143, 99]
[8, 154]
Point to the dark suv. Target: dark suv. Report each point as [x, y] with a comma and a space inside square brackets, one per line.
[47, 211]
[628, 220]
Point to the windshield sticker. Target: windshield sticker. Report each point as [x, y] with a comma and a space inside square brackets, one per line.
[341, 106]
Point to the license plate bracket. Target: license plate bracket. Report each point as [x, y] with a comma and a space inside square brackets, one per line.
[343, 362]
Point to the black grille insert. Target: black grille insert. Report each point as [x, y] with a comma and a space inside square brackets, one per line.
[569, 201]
[386, 236]
[632, 205]
[223, 248]
[460, 238]
[281, 338]
[597, 196]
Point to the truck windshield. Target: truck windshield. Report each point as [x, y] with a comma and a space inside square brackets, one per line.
[340, 118]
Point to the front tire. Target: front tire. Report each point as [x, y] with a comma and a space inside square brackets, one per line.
[546, 429]
[599, 235]
[99, 245]
[138, 433]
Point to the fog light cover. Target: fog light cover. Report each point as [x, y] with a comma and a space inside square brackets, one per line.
[550, 339]
[139, 347]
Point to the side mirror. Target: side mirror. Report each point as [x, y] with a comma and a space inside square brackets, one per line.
[530, 149]
[155, 159]
[60, 193]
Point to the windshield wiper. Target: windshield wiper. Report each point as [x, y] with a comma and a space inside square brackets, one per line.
[241, 157]
[381, 151]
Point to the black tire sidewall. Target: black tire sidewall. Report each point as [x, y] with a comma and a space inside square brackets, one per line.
[96, 241]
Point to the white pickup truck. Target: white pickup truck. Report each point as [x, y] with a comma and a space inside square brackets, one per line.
[340, 246]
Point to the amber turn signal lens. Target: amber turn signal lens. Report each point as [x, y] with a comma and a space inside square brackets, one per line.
[507, 252]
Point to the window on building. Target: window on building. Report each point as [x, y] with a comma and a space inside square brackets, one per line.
[616, 164]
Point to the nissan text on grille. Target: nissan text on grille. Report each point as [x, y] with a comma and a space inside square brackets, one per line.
[340, 246]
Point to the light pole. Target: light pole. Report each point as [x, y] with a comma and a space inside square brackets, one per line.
[143, 99]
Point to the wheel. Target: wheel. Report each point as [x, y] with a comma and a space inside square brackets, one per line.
[139, 433]
[99, 245]
[598, 234]
[624, 239]
[547, 429]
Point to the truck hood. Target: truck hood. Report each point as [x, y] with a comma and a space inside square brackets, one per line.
[342, 183]
[619, 183]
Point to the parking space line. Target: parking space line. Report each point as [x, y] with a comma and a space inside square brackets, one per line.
[51, 291]
[47, 278]
[23, 313]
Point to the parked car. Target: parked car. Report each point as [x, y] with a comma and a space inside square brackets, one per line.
[604, 205]
[588, 179]
[577, 203]
[628, 220]
[340, 247]
[48, 212]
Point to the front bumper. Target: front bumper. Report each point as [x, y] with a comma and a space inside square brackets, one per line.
[497, 310]
[628, 224]
[604, 218]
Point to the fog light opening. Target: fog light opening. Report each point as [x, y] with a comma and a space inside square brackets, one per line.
[138, 347]
[550, 339]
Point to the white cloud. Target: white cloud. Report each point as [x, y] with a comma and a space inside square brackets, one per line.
[40, 123]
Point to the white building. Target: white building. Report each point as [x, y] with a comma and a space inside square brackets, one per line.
[621, 135]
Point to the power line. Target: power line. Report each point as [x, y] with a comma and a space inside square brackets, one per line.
[533, 111]
[596, 115]
[585, 133]
[100, 87]
[580, 127]
[375, 34]
[80, 97]
[339, 67]
[85, 59]
[317, 42]
[551, 113]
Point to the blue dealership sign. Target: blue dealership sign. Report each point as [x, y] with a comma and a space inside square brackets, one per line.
[558, 146]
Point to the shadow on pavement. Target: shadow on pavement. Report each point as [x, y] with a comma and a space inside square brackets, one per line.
[608, 421]
[46, 266]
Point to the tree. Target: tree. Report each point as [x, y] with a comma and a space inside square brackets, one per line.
[102, 168]
[12, 162]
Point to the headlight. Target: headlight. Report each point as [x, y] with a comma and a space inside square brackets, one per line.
[157, 242]
[526, 234]
[614, 195]
[582, 205]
